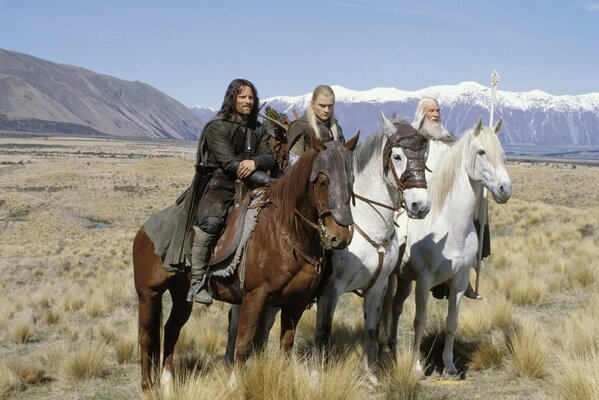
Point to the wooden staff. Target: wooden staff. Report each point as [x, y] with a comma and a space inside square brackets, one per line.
[484, 202]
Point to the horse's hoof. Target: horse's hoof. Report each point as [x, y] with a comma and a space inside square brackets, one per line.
[166, 383]
[373, 380]
[233, 381]
[451, 374]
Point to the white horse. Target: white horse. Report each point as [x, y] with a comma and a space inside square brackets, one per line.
[372, 255]
[442, 247]
[388, 173]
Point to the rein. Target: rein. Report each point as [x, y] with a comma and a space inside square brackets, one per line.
[401, 187]
[322, 233]
[381, 248]
[311, 260]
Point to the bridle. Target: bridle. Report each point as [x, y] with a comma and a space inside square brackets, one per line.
[412, 177]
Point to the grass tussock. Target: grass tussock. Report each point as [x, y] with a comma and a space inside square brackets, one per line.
[278, 376]
[9, 382]
[51, 316]
[528, 349]
[401, 381]
[126, 349]
[27, 372]
[489, 353]
[98, 306]
[53, 356]
[190, 385]
[576, 379]
[480, 318]
[107, 331]
[580, 336]
[85, 362]
[73, 302]
[20, 330]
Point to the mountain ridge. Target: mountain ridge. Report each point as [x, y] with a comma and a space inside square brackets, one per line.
[533, 117]
[53, 94]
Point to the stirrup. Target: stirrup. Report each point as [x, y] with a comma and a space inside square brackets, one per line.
[472, 294]
[199, 293]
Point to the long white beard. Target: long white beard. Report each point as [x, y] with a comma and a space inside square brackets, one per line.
[436, 131]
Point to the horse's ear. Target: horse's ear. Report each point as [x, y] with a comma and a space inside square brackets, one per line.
[316, 143]
[353, 142]
[388, 126]
[498, 126]
[478, 126]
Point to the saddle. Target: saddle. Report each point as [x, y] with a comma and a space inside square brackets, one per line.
[231, 238]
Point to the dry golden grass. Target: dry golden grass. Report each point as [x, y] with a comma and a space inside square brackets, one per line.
[85, 362]
[576, 379]
[28, 373]
[490, 353]
[20, 330]
[9, 382]
[269, 376]
[480, 318]
[401, 380]
[71, 281]
[528, 349]
[126, 349]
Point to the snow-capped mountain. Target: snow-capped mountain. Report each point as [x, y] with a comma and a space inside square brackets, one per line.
[529, 117]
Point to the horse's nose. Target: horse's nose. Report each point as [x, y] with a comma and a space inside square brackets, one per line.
[419, 209]
[335, 242]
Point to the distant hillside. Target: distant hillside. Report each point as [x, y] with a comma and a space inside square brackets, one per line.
[42, 96]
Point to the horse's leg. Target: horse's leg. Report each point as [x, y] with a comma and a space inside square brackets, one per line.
[250, 315]
[233, 317]
[373, 302]
[290, 317]
[451, 325]
[421, 295]
[402, 291]
[261, 339]
[456, 293]
[327, 302]
[180, 311]
[149, 321]
[385, 319]
[268, 320]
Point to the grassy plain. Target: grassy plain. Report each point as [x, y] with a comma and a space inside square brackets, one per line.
[69, 210]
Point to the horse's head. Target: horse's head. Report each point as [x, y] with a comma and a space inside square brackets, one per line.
[331, 183]
[488, 161]
[404, 159]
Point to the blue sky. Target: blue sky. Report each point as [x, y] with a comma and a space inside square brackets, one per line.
[191, 50]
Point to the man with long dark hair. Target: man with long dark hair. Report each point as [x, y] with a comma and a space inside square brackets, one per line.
[233, 146]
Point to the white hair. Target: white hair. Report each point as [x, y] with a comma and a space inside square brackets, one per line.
[430, 130]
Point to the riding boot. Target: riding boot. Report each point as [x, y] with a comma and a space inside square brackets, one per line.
[472, 294]
[200, 255]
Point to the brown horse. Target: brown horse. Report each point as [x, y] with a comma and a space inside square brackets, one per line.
[305, 211]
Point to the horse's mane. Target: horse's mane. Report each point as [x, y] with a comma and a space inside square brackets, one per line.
[290, 190]
[372, 147]
[449, 169]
